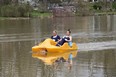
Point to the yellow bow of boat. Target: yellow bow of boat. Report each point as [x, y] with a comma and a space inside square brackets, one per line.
[50, 46]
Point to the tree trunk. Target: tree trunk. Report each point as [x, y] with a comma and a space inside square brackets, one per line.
[45, 5]
[14, 1]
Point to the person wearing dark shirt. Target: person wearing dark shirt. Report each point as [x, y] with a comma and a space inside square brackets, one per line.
[66, 38]
[55, 37]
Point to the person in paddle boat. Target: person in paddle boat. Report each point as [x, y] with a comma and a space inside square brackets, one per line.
[55, 37]
[66, 38]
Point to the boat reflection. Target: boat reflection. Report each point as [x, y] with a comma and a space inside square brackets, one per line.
[51, 58]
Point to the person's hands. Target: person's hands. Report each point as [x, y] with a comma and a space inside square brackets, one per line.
[66, 40]
[59, 40]
[63, 37]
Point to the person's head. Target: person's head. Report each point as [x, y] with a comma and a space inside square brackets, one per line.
[68, 32]
[54, 33]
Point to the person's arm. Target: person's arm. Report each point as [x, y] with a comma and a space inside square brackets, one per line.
[69, 39]
[59, 38]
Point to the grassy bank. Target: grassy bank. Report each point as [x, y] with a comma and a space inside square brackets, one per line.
[13, 18]
[31, 15]
[40, 14]
[96, 13]
[105, 13]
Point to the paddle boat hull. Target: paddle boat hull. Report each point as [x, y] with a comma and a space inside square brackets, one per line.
[50, 46]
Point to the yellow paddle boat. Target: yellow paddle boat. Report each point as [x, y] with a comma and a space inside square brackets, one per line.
[50, 46]
[50, 58]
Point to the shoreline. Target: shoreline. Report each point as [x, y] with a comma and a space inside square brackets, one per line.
[32, 15]
[14, 18]
[105, 13]
[50, 15]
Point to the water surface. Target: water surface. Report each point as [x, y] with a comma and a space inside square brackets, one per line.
[94, 35]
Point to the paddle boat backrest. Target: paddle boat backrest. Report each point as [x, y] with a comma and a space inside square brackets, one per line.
[65, 45]
[48, 42]
[74, 46]
[52, 42]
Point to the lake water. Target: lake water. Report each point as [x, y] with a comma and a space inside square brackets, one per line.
[94, 35]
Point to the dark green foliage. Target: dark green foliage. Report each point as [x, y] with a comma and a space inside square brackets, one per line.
[114, 5]
[98, 5]
[15, 10]
[54, 1]
[5, 2]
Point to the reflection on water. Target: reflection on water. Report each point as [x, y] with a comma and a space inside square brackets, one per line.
[98, 63]
[95, 36]
[50, 58]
